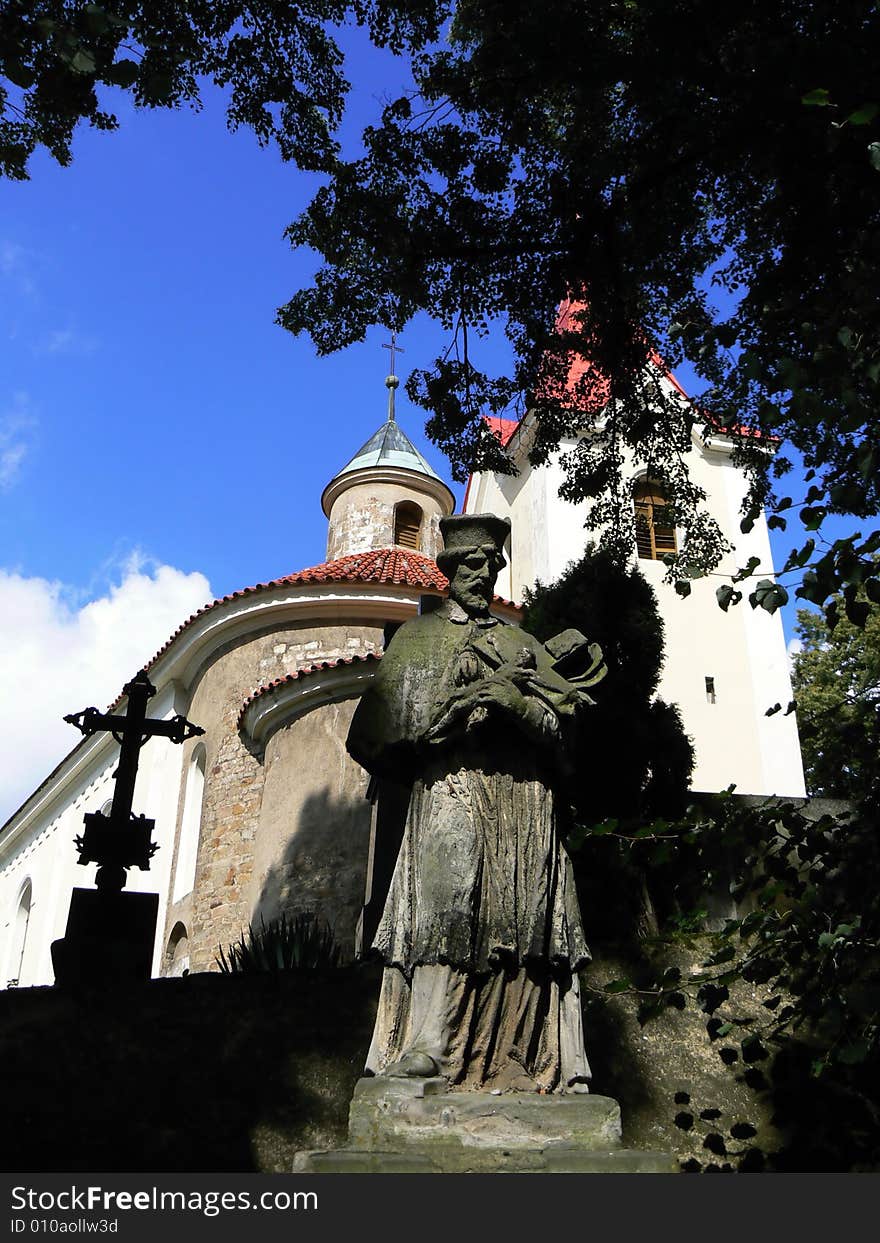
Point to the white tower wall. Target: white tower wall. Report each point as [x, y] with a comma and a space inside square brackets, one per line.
[743, 650]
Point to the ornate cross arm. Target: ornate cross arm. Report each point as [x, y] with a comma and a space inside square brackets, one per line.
[121, 840]
[178, 729]
[91, 721]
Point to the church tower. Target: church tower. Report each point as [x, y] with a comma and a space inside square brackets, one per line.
[386, 496]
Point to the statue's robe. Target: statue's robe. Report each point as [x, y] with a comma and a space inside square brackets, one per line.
[481, 934]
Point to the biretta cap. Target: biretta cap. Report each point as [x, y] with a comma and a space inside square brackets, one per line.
[462, 533]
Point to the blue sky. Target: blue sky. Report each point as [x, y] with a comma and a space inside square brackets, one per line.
[161, 440]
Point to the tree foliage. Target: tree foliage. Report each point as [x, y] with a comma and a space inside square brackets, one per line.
[807, 933]
[280, 62]
[836, 679]
[703, 177]
[636, 759]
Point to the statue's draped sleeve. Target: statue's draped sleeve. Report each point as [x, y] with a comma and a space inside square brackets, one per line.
[396, 709]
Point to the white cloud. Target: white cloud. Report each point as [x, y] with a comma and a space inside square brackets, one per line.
[16, 264]
[10, 460]
[793, 648]
[57, 658]
[17, 424]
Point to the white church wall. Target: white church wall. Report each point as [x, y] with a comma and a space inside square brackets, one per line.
[38, 843]
[743, 650]
[44, 853]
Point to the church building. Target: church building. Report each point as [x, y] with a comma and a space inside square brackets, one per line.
[266, 812]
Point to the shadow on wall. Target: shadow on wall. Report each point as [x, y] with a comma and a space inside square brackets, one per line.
[323, 867]
[206, 1073]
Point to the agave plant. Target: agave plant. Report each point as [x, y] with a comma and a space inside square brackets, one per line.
[288, 943]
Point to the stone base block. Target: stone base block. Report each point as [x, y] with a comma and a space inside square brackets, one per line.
[485, 1161]
[391, 1114]
[418, 1126]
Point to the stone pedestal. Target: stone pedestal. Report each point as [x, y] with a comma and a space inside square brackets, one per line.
[417, 1126]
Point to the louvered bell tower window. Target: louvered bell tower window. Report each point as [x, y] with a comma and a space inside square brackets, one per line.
[655, 531]
[407, 525]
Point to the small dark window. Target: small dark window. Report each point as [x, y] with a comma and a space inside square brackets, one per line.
[710, 690]
[389, 631]
[655, 529]
[407, 525]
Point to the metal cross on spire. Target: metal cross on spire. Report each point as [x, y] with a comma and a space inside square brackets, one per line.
[391, 381]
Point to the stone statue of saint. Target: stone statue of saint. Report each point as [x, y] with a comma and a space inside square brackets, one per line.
[481, 934]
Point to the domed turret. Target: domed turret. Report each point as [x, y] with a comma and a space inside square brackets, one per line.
[386, 495]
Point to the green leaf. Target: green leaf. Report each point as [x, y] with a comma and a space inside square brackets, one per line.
[726, 595]
[753, 1049]
[159, 87]
[18, 73]
[854, 1054]
[813, 517]
[603, 829]
[711, 997]
[857, 612]
[97, 20]
[124, 73]
[725, 954]
[82, 61]
[683, 587]
[768, 595]
[864, 115]
[819, 98]
[617, 986]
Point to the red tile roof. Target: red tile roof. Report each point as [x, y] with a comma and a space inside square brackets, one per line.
[379, 565]
[399, 566]
[299, 674]
[503, 428]
[566, 322]
[382, 565]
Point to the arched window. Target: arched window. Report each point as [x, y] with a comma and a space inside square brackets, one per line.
[177, 951]
[407, 525]
[191, 823]
[655, 529]
[19, 934]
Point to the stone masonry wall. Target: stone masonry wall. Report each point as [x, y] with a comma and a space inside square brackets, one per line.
[362, 518]
[313, 841]
[223, 899]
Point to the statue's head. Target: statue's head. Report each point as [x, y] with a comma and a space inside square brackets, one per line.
[473, 554]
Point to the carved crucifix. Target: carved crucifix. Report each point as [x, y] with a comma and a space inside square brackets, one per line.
[122, 840]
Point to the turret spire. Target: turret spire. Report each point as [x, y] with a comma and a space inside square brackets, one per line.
[391, 381]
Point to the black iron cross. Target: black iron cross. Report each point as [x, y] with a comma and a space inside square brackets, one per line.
[123, 840]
